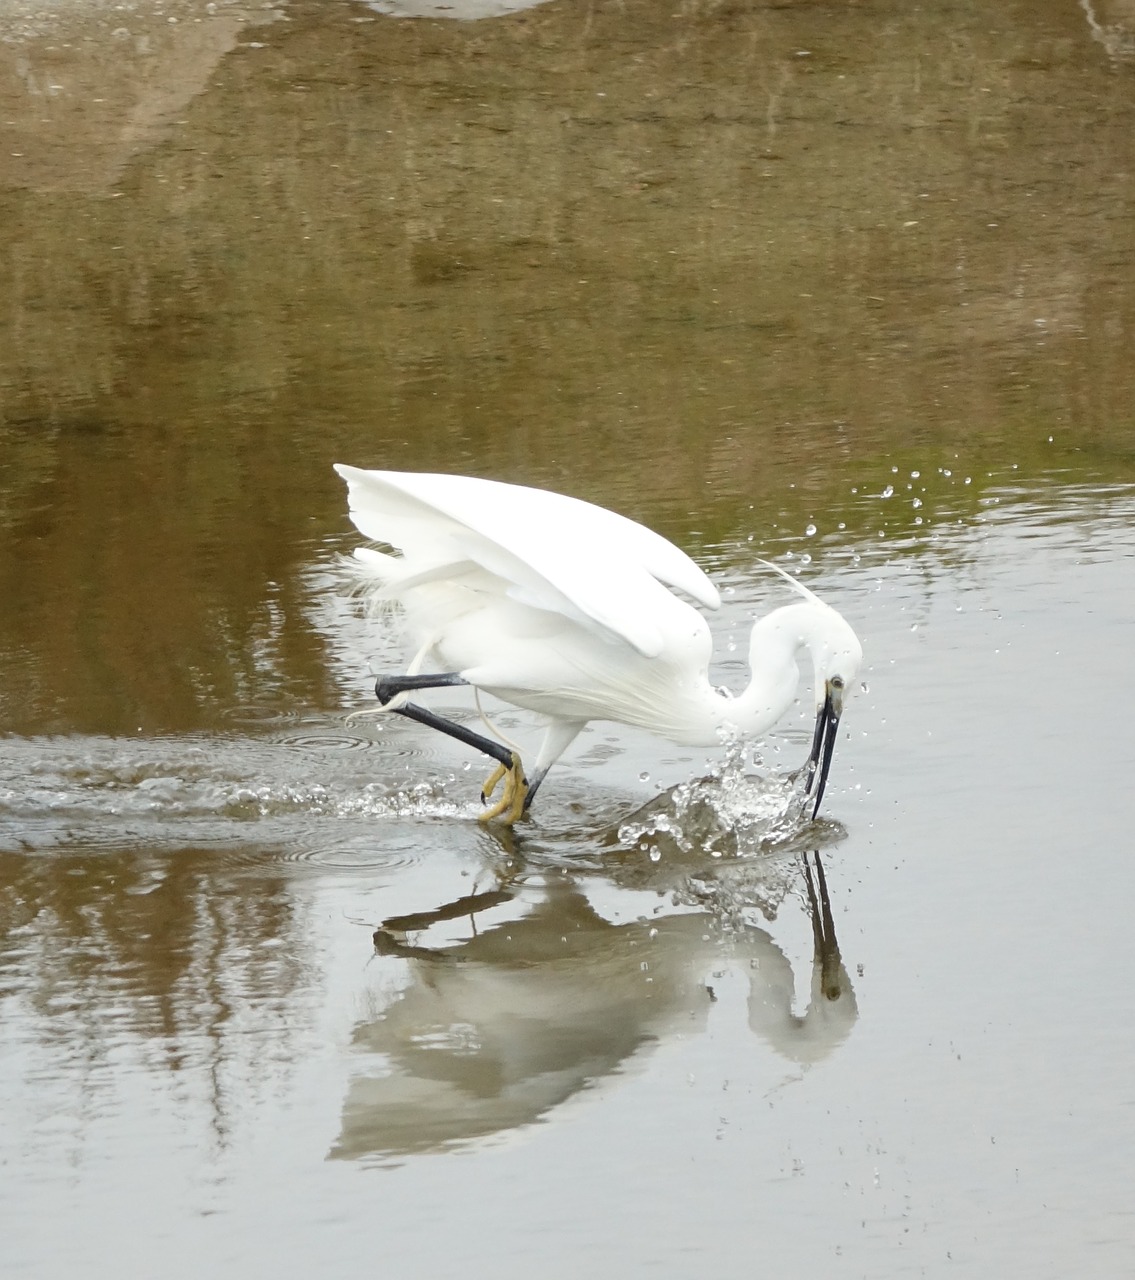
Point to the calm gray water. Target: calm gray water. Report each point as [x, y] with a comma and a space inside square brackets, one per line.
[849, 289]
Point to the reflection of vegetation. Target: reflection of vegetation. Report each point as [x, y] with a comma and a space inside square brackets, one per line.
[118, 958]
[664, 261]
[143, 596]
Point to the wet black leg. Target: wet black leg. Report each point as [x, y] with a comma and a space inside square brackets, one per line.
[512, 803]
[532, 788]
[497, 750]
[388, 687]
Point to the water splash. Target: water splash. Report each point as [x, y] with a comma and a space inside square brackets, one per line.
[731, 812]
[216, 791]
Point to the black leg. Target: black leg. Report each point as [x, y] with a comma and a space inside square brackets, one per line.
[533, 786]
[512, 804]
[387, 687]
[497, 750]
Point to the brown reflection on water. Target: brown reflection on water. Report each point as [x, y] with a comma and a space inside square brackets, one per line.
[158, 962]
[155, 588]
[89, 86]
[681, 262]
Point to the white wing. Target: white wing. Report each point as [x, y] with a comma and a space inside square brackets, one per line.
[553, 552]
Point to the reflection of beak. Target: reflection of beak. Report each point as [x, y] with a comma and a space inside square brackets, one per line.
[823, 742]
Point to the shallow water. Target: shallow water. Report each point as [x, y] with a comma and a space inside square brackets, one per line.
[849, 289]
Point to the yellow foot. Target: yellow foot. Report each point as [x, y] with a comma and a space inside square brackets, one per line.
[511, 804]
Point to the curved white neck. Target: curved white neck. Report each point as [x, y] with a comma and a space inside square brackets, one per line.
[777, 641]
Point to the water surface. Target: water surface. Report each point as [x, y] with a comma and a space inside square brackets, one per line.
[846, 288]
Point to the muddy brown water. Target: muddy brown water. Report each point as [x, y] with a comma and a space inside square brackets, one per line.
[851, 287]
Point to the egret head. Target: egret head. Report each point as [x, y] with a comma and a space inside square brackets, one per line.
[836, 655]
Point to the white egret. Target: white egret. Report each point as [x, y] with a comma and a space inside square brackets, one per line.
[568, 610]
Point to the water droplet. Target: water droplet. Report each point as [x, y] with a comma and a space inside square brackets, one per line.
[810, 531]
[888, 491]
[915, 474]
[644, 776]
[916, 503]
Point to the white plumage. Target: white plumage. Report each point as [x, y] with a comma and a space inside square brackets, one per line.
[569, 610]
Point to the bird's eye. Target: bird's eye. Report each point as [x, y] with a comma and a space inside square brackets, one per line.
[837, 682]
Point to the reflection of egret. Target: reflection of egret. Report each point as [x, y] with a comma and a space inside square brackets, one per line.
[565, 609]
[492, 1033]
[831, 1010]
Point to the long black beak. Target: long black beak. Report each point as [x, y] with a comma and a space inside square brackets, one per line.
[823, 742]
